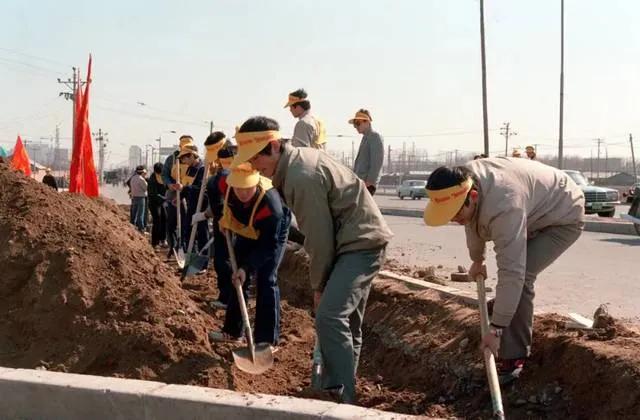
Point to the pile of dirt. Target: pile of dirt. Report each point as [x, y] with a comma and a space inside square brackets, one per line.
[82, 291]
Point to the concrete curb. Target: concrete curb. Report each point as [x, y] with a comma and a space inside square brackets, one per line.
[618, 227]
[35, 394]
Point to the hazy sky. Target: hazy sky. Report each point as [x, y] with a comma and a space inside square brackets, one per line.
[414, 64]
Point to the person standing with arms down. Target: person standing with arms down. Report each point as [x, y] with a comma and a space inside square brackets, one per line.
[368, 162]
[309, 130]
[138, 186]
[157, 190]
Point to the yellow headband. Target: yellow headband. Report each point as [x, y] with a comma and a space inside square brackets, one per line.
[212, 151]
[360, 116]
[246, 139]
[294, 100]
[451, 193]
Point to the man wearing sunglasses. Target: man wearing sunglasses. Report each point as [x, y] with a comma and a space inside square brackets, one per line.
[368, 163]
[532, 213]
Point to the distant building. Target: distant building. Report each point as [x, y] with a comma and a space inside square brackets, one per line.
[135, 157]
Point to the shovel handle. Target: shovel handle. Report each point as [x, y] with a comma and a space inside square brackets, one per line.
[194, 227]
[489, 360]
[243, 305]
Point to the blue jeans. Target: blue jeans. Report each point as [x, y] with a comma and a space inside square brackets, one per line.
[138, 212]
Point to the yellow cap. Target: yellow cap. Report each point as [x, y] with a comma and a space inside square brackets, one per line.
[249, 144]
[529, 148]
[185, 141]
[360, 116]
[294, 100]
[446, 203]
[243, 176]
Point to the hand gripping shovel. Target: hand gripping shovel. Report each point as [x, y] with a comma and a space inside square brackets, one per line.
[250, 359]
[180, 253]
[194, 227]
[489, 361]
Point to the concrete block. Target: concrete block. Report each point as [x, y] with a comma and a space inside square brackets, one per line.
[203, 403]
[41, 394]
[345, 411]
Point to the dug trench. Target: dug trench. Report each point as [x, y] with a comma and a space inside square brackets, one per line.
[81, 291]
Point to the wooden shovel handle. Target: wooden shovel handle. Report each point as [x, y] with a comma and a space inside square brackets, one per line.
[243, 305]
[489, 360]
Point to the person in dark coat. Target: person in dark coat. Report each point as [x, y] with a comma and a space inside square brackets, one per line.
[158, 212]
[49, 180]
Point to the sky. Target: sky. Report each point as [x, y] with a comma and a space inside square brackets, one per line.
[414, 64]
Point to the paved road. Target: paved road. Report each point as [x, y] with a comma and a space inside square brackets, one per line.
[407, 203]
[598, 268]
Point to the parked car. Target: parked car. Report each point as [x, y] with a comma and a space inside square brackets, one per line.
[631, 193]
[414, 188]
[599, 200]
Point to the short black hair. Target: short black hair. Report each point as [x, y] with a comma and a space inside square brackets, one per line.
[260, 123]
[157, 168]
[214, 137]
[185, 136]
[445, 177]
[225, 153]
[302, 94]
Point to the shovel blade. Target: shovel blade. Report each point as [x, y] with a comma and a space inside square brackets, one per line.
[196, 263]
[180, 258]
[262, 362]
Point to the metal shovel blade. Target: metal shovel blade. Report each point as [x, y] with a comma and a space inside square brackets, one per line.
[262, 362]
[196, 263]
[180, 258]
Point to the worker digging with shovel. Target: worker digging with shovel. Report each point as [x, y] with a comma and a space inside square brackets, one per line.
[345, 237]
[533, 213]
[254, 213]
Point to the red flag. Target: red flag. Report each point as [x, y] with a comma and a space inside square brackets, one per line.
[86, 180]
[20, 160]
[76, 179]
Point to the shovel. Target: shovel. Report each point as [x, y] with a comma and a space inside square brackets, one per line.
[251, 359]
[194, 228]
[180, 253]
[195, 263]
[489, 360]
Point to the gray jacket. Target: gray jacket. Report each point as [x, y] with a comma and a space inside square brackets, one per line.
[518, 198]
[334, 210]
[368, 163]
[138, 186]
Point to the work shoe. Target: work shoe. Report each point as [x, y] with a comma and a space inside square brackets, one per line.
[333, 394]
[223, 337]
[216, 304]
[509, 370]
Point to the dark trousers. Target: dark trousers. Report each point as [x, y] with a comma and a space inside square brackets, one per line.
[172, 225]
[221, 264]
[158, 224]
[267, 323]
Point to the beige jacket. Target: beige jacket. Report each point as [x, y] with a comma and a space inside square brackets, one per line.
[518, 198]
[305, 133]
[334, 210]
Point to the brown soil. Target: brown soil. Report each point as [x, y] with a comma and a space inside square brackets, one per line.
[81, 291]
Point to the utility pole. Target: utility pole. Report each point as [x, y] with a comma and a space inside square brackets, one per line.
[74, 84]
[560, 133]
[633, 159]
[598, 158]
[101, 146]
[389, 169]
[56, 150]
[485, 118]
[210, 127]
[506, 131]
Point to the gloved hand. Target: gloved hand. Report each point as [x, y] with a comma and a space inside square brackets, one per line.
[198, 217]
